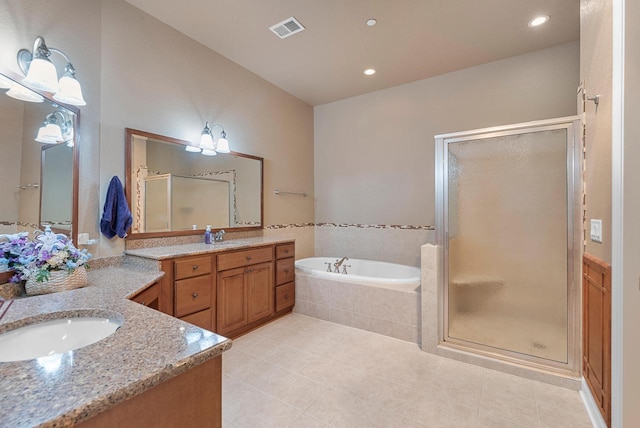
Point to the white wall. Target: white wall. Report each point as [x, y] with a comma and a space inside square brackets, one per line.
[138, 72]
[374, 154]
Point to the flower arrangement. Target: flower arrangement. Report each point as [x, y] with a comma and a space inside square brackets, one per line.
[38, 258]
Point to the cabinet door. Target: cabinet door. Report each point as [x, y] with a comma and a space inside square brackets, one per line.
[232, 300]
[260, 291]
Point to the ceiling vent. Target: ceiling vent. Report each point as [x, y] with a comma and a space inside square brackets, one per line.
[286, 28]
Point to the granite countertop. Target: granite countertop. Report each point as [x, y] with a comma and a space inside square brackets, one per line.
[170, 251]
[148, 349]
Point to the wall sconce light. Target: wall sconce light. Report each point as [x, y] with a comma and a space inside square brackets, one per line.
[41, 74]
[56, 129]
[207, 146]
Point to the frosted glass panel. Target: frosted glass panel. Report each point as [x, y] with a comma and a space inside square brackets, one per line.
[507, 249]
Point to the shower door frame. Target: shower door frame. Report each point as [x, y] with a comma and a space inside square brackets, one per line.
[575, 228]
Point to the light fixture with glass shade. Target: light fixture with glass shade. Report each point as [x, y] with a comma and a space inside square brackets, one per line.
[21, 93]
[55, 129]
[207, 145]
[42, 75]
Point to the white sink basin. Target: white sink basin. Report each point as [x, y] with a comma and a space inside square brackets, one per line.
[53, 337]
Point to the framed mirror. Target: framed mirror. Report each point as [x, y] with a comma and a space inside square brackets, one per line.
[39, 171]
[173, 192]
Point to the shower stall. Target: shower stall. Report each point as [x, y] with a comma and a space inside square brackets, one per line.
[509, 229]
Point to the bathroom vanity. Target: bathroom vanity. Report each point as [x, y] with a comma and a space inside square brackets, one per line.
[154, 370]
[228, 287]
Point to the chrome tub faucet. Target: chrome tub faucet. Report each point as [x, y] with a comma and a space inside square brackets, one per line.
[338, 263]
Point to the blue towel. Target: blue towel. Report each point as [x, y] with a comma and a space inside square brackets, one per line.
[116, 217]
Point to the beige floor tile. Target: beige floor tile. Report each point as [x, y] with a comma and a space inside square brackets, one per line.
[234, 363]
[267, 413]
[288, 357]
[341, 409]
[264, 376]
[237, 398]
[502, 405]
[563, 417]
[299, 391]
[306, 421]
[498, 381]
[485, 421]
[557, 396]
[326, 372]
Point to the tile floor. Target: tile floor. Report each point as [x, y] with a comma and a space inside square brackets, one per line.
[304, 372]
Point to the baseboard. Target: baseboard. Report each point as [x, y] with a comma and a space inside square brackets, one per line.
[592, 408]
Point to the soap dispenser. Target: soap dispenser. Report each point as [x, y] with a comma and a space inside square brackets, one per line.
[207, 235]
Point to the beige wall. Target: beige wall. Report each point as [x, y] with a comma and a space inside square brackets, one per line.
[11, 114]
[137, 72]
[595, 69]
[631, 227]
[374, 154]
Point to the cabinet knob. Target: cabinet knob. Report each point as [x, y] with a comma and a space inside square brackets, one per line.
[195, 295]
[248, 257]
[286, 271]
[286, 297]
[195, 267]
[286, 251]
[246, 270]
[143, 303]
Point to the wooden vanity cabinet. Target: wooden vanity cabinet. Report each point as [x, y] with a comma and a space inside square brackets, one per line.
[149, 296]
[285, 277]
[245, 289]
[188, 290]
[230, 292]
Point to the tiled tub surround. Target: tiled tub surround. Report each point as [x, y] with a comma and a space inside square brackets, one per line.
[392, 312]
[388, 243]
[148, 349]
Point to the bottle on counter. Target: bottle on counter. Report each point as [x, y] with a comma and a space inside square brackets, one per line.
[207, 235]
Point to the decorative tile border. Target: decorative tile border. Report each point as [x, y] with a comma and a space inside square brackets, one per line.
[378, 226]
[356, 225]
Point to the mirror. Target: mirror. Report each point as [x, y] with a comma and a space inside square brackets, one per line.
[174, 192]
[39, 179]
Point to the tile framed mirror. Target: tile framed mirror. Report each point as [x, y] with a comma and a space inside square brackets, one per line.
[174, 192]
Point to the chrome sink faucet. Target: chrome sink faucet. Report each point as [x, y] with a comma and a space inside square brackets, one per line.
[338, 263]
[219, 235]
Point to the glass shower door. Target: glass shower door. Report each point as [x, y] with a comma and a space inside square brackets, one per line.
[507, 221]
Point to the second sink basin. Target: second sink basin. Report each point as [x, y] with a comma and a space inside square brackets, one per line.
[54, 337]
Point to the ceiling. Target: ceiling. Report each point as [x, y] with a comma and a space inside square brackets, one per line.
[413, 39]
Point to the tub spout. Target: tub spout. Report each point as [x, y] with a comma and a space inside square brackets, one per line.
[338, 263]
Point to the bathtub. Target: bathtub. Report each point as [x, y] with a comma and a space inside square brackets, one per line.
[379, 274]
[376, 296]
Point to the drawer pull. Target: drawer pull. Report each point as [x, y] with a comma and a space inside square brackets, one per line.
[248, 258]
[286, 297]
[286, 251]
[195, 295]
[246, 270]
[195, 267]
[143, 303]
[286, 271]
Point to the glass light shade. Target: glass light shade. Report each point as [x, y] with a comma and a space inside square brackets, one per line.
[49, 134]
[223, 145]
[193, 149]
[19, 92]
[206, 142]
[209, 152]
[42, 75]
[69, 91]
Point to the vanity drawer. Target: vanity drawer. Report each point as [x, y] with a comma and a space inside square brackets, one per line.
[285, 250]
[148, 297]
[285, 271]
[285, 296]
[193, 266]
[202, 319]
[192, 295]
[244, 258]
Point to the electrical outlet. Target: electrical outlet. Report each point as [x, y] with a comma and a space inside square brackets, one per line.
[596, 230]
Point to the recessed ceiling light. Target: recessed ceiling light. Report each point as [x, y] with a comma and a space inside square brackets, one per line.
[539, 20]
[369, 71]
[371, 22]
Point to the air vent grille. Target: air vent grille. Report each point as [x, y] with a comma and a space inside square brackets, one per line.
[286, 28]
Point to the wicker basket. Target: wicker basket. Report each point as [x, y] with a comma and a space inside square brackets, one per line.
[59, 280]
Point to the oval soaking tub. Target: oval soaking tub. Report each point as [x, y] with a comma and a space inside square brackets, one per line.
[376, 296]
